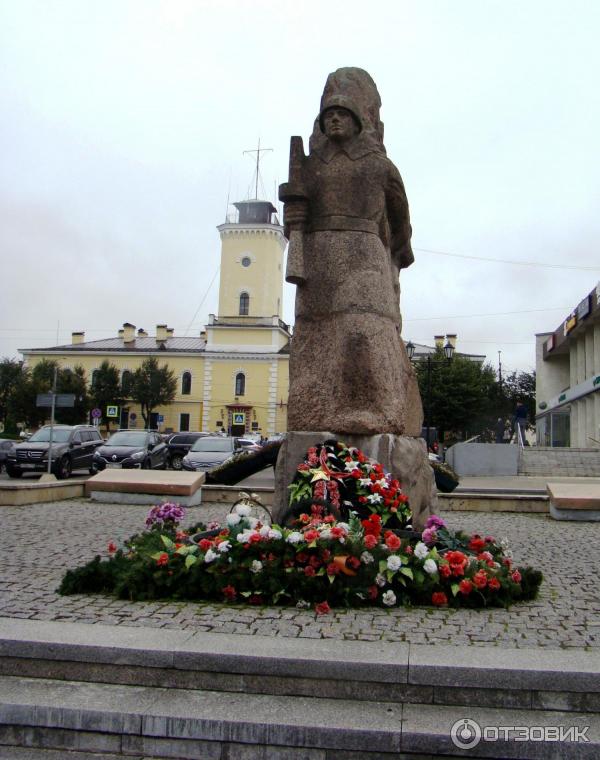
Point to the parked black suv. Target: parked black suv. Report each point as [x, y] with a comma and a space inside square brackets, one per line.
[73, 448]
[179, 444]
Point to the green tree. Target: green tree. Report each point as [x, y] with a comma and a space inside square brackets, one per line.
[152, 386]
[106, 389]
[519, 386]
[73, 381]
[459, 395]
[12, 374]
[40, 379]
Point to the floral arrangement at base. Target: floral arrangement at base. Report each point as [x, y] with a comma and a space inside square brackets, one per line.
[345, 478]
[320, 562]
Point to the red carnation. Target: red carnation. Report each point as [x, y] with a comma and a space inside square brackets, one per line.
[205, 544]
[439, 598]
[325, 555]
[337, 532]
[112, 547]
[332, 569]
[480, 579]
[370, 541]
[516, 576]
[392, 541]
[465, 587]
[356, 474]
[322, 608]
[457, 561]
[311, 535]
[353, 562]
[444, 570]
[373, 592]
[229, 592]
[494, 584]
[163, 559]
[476, 544]
[309, 571]
[302, 557]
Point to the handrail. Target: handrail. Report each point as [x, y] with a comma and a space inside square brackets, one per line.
[520, 440]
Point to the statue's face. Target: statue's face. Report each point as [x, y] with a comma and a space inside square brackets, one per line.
[339, 124]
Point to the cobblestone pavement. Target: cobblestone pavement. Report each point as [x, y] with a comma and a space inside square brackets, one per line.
[40, 542]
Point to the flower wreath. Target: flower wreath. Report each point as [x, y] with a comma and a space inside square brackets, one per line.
[351, 482]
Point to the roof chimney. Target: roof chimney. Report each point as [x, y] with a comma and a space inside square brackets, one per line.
[170, 332]
[142, 333]
[128, 332]
[161, 333]
[77, 338]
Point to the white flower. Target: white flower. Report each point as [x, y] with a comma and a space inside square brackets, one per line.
[210, 556]
[274, 535]
[344, 526]
[302, 605]
[429, 566]
[374, 498]
[264, 531]
[224, 546]
[421, 550]
[253, 522]
[380, 579]
[256, 566]
[394, 563]
[350, 466]
[244, 536]
[382, 482]
[364, 481]
[389, 598]
[294, 537]
[243, 510]
[366, 558]
[326, 533]
[233, 519]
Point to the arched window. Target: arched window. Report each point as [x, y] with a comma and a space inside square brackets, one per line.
[95, 375]
[126, 378]
[244, 304]
[240, 384]
[186, 383]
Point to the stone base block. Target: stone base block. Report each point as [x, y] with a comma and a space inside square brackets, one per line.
[405, 457]
[574, 501]
[578, 515]
[166, 483]
[149, 499]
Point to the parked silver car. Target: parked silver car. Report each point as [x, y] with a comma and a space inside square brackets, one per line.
[210, 451]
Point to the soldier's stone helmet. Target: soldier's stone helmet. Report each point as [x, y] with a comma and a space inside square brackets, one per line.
[340, 101]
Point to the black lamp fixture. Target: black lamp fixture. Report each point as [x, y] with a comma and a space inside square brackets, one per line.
[448, 353]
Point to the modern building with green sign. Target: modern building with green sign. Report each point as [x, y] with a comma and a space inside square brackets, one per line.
[568, 378]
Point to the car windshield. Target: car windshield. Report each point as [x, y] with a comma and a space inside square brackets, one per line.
[213, 444]
[128, 438]
[60, 435]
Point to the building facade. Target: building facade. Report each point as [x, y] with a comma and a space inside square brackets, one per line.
[568, 378]
[233, 376]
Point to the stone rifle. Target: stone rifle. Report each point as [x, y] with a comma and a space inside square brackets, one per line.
[289, 192]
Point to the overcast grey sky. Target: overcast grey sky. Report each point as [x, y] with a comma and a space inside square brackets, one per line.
[124, 124]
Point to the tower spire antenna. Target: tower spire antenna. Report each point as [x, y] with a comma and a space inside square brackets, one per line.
[258, 151]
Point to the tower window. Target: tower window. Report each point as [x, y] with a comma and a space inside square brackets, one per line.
[246, 261]
[240, 384]
[186, 384]
[244, 304]
[95, 376]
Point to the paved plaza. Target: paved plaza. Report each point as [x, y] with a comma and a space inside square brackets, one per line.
[40, 542]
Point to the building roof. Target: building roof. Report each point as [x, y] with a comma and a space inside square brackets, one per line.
[139, 344]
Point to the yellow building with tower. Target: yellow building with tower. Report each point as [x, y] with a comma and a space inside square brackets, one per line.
[233, 376]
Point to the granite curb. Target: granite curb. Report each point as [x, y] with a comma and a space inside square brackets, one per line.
[455, 666]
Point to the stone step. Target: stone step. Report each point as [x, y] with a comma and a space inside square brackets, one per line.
[491, 500]
[394, 672]
[159, 722]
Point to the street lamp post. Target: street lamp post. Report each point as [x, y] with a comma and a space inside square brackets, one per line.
[448, 352]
